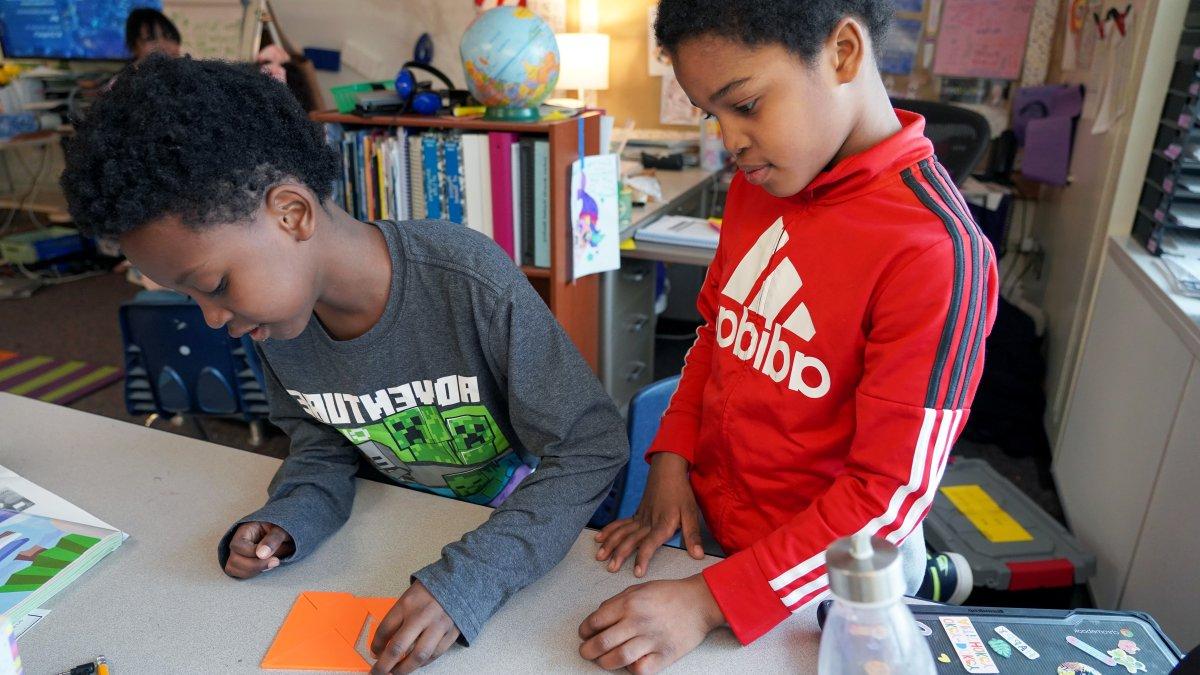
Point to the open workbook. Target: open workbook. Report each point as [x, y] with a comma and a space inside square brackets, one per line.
[46, 543]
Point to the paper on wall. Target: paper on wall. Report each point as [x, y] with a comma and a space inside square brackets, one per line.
[674, 105]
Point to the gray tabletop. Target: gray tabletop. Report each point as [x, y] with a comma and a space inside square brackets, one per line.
[160, 604]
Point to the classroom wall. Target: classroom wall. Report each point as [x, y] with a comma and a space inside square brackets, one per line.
[633, 93]
[384, 31]
[1074, 222]
[389, 28]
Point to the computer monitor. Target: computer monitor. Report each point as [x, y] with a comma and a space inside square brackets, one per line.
[66, 29]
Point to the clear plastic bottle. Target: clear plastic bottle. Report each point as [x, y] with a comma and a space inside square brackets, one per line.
[869, 630]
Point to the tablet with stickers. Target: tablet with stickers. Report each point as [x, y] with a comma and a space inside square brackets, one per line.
[1003, 640]
[1069, 642]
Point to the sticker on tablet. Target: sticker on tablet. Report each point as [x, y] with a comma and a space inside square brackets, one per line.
[1076, 668]
[1017, 642]
[1002, 648]
[968, 645]
[1126, 661]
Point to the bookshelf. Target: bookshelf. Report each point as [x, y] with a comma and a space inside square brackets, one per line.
[576, 304]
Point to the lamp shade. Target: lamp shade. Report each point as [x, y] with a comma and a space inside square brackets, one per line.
[583, 61]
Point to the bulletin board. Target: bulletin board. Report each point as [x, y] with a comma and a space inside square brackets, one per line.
[211, 29]
[909, 44]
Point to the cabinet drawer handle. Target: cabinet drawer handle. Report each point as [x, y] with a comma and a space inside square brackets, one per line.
[634, 371]
[634, 275]
[637, 322]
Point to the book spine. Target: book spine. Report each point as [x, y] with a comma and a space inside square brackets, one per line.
[515, 188]
[499, 154]
[348, 191]
[541, 203]
[429, 154]
[416, 175]
[454, 179]
[381, 180]
[528, 198]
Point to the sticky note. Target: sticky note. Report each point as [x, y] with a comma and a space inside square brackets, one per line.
[985, 514]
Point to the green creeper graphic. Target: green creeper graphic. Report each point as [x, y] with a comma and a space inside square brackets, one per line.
[466, 436]
[476, 436]
[421, 435]
[488, 479]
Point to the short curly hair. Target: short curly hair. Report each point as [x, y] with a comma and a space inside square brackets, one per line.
[201, 140]
[801, 26]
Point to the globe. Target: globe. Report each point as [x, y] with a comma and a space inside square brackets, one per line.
[510, 58]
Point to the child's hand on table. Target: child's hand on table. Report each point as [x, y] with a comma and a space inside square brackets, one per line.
[257, 547]
[668, 505]
[416, 631]
[649, 626]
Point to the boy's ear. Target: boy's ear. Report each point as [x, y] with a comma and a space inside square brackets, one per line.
[849, 46]
[292, 209]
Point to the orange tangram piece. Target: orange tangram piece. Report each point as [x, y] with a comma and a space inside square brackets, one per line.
[321, 632]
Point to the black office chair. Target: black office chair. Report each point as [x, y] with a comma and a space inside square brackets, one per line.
[959, 136]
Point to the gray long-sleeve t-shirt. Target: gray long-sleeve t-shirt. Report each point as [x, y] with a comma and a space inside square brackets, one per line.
[463, 385]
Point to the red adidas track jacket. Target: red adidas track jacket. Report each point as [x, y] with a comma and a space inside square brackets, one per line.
[842, 344]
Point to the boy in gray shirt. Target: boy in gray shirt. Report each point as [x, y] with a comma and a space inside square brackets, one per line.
[417, 346]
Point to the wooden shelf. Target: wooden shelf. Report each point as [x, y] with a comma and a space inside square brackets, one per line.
[537, 272]
[444, 122]
[575, 303]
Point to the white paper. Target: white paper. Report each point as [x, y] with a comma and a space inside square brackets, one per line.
[1187, 215]
[595, 221]
[19, 494]
[1116, 72]
[658, 63]
[674, 106]
[22, 625]
[682, 231]
[1189, 183]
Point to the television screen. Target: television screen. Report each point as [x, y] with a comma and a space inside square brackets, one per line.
[66, 29]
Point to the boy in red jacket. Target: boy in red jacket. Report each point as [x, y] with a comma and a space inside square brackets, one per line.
[844, 315]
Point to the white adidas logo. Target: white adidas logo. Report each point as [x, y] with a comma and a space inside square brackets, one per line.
[769, 353]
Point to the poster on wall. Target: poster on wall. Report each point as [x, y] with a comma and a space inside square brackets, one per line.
[1041, 38]
[900, 49]
[674, 105]
[983, 38]
[658, 63]
[595, 221]
[210, 30]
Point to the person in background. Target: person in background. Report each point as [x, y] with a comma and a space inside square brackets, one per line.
[149, 31]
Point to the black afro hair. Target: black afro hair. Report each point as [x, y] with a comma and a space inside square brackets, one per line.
[801, 26]
[201, 140]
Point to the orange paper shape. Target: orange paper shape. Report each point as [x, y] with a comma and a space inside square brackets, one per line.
[377, 608]
[321, 633]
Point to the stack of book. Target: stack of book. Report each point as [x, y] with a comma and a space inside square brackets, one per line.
[496, 183]
[46, 543]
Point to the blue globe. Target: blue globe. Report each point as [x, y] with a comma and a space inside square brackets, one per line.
[510, 58]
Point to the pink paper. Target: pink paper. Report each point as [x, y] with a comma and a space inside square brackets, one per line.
[983, 38]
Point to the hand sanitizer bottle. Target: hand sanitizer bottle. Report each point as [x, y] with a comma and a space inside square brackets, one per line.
[869, 630]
